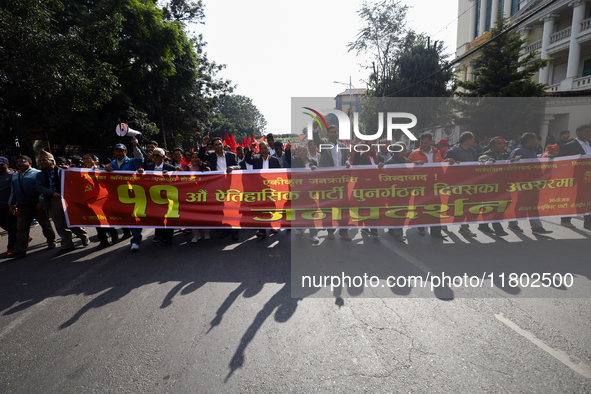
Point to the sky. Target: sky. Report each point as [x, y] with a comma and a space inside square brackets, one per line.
[277, 50]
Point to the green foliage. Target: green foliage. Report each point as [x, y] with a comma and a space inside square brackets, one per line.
[498, 74]
[90, 64]
[237, 115]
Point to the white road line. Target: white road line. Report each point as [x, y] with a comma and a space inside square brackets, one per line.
[578, 366]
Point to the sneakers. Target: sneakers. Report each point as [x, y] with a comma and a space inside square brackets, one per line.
[501, 233]
[400, 238]
[196, 238]
[567, 224]
[516, 229]
[466, 231]
[375, 235]
[85, 242]
[206, 236]
[541, 230]
[330, 235]
[34, 223]
[9, 252]
[366, 231]
[314, 239]
[262, 234]
[135, 247]
[51, 246]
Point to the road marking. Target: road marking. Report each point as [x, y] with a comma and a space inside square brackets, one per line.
[579, 366]
[273, 245]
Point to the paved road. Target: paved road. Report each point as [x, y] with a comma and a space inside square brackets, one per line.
[219, 316]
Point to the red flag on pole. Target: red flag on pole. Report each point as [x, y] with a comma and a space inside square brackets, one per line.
[232, 143]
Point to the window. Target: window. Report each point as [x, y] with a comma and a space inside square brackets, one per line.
[586, 68]
[514, 7]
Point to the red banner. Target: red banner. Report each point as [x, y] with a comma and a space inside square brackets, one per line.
[394, 196]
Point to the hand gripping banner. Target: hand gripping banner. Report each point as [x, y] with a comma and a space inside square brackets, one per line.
[394, 196]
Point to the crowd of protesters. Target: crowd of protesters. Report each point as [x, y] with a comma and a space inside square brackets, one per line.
[29, 195]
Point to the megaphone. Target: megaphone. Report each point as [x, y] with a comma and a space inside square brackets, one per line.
[123, 130]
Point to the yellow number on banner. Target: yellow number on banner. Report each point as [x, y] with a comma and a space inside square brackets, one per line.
[172, 199]
[139, 199]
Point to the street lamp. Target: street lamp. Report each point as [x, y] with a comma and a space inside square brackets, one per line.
[350, 85]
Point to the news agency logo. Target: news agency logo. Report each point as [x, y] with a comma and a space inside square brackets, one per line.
[345, 132]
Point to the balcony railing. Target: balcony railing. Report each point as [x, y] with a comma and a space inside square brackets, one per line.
[562, 34]
[582, 83]
[586, 24]
[553, 88]
[534, 46]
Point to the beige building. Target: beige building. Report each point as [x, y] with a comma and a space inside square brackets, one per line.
[349, 98]
[559, 30]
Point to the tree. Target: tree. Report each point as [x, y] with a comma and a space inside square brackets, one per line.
[502, 100]
[237, 115]
[382, 37]
[50, 68]
[498, 68]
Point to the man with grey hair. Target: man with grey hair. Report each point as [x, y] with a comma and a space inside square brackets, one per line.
[49, 186]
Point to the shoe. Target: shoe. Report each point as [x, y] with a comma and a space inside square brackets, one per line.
[103, 245]
[345, 236]
[262, 234]
[541, 230]
[400, 238]
[439, 236]
[196, 238]
[366, 231]
[155, 240]
[114, 240]
[235, 237]
[465, 231]
[206, 236]
[17, 255]
[330, 236]
[567, 224]
[314, 239]
[168, 242]
[64, 251]
[86, 242]
[375, 235]
[8, 253]
[30, 240]
[486, 229]
[421, 231]
[274, 231]
[135, 247]
[51, 246]
[501, 233]
[34, 223]
[225, 233]
[517, 229]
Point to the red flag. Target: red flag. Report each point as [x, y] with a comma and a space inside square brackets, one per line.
[232, 143]
[227, 140]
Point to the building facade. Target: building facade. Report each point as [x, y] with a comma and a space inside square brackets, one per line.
[559, 30]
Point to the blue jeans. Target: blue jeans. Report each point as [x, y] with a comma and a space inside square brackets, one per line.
[136, 235]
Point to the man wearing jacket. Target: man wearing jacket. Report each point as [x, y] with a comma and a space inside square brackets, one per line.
[463, 151]
[578, 146]
[158, 165]
[49, 186]
[336, 156]
[218, 159]
[527, 151]
[124, 163]
[426, 153]
[26, 203]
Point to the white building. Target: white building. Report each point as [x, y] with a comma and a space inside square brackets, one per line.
[561, 31]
